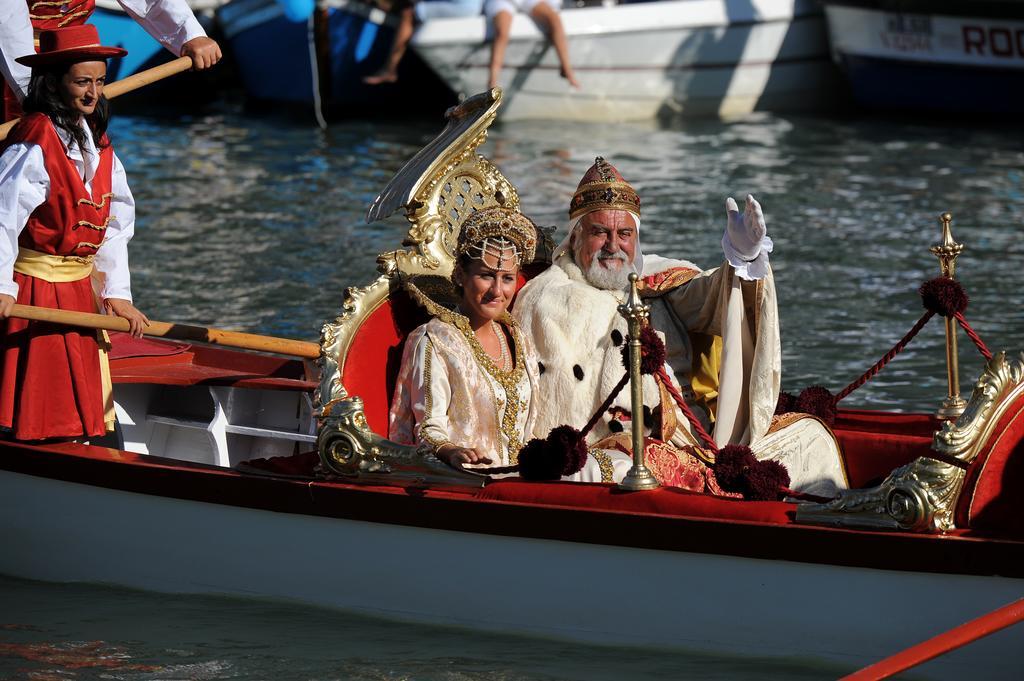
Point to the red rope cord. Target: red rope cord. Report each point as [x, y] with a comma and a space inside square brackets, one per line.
[690, 416]
[973, 335]
[606, 404]
[886, 358]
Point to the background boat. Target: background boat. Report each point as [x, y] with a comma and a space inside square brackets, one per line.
[953, 57]
[635, 61]
[320, 61]
[187, 90]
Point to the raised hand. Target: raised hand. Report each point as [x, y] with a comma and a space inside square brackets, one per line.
[745, 232]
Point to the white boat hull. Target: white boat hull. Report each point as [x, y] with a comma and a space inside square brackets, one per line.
[913, 57]
[691, 57]
[599, 594]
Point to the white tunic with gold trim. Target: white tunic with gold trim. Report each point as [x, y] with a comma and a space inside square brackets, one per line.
[450, 391]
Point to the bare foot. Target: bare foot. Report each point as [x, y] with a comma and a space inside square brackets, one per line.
[571, 77]
[381, 77]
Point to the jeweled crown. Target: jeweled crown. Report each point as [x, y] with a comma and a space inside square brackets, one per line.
[603, 188]
[499, 223]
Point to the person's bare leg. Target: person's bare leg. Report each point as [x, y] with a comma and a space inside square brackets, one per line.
[403, 34]
[551, 23]
[502, 29]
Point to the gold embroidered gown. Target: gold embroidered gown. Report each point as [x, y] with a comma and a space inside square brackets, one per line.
[450, 391]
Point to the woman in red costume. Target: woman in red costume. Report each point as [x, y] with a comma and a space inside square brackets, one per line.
[63, 195]
[170, 22]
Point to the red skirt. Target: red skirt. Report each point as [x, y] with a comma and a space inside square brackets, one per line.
[50, 380]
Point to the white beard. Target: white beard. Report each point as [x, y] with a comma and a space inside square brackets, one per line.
[608, 279]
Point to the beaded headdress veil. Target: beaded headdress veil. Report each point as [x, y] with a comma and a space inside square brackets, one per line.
[504, 234]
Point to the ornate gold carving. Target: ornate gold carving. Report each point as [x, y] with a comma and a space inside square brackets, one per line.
[438, 188]
[947, 253]
[350, 449]
[636, 312]
[335, 338]
[922, 496]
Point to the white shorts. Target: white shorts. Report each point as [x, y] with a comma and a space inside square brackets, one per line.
[492, 7]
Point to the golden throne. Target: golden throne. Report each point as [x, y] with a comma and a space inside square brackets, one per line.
[361, 349]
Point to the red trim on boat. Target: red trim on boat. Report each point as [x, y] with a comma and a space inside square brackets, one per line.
[463, 512]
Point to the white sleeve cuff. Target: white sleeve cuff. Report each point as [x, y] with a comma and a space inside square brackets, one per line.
[748, 269]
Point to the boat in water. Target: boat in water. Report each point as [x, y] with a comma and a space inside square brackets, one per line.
[318, 60]
[271, 477]
[144, 52]
[915, 55]
[636, 61]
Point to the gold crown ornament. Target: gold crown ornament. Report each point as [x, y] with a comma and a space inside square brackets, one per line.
[603, 188]
[499, 232]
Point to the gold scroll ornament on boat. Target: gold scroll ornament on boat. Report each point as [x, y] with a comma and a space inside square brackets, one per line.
[438, 189]
[923, 495]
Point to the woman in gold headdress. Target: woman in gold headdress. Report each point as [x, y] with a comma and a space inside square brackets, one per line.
[468, 376]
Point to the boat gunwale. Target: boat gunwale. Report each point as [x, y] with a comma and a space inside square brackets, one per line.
[426, 39]
[960, 553]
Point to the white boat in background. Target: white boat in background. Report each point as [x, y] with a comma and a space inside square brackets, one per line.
[918, 55]
[692, 57]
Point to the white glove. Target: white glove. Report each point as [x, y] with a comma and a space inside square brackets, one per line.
[745, 242]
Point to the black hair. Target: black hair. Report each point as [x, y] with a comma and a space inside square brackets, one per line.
[44, 97]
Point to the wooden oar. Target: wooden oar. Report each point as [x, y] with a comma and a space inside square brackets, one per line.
[186, 332]
[133, 82]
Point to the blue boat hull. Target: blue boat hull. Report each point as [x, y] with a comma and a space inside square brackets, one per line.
[117, 28]
[184, 91]
[883, 84]
[275, 56]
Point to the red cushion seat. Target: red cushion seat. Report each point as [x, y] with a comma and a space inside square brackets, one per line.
[991, 499]
[662, 501]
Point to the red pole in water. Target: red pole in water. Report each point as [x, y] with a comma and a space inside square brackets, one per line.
[943, 643]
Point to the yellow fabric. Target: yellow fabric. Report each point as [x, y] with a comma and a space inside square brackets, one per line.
[52, 268]
[58, 269]
[705, 367]
[109, 417]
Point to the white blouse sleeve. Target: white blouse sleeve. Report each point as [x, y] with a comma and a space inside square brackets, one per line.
[112, 257]
[24, 185]
[15, 41]
[430, 394]
[171, 22]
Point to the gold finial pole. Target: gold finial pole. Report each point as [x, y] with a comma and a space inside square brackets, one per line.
[947, 253]
[639, 476]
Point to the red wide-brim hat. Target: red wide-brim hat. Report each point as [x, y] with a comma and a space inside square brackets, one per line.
[70, 44]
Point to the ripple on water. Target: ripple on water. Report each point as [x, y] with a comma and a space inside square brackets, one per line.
[257, 226]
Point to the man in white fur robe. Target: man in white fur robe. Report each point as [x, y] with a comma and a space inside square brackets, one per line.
[720, 326]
